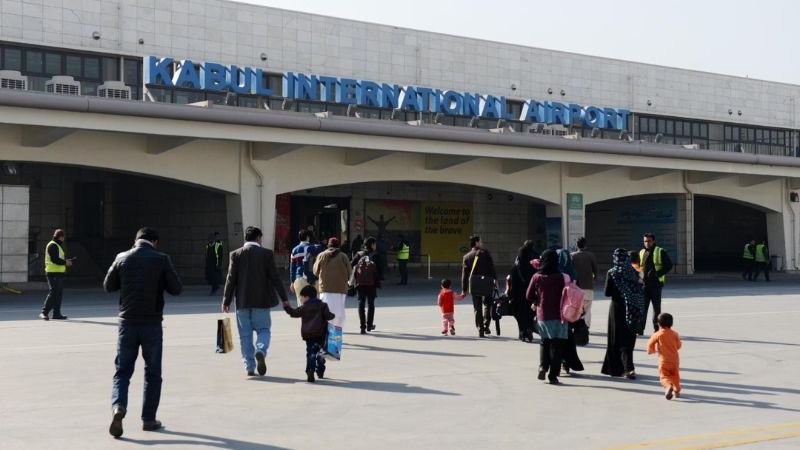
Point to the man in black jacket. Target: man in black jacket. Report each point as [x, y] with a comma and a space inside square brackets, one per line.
[478, 262]
[253, 280]
[655, 264]
[141, 274]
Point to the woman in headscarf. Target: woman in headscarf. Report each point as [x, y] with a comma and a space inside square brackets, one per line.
[625, 317]
[545, 292]
[517, 281]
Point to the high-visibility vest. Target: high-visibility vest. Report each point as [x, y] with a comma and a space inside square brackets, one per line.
[404, 252]
[49, 265]
[748, 254]
[656, 255]
[761, 255]
[217, 256]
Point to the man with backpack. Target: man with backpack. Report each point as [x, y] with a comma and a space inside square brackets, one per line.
[366, 279]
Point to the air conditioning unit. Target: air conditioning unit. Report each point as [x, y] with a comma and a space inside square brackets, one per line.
[63, 85]
[11, 79]
[114, 89]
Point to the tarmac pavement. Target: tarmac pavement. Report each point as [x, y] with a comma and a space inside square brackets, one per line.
[406, 386]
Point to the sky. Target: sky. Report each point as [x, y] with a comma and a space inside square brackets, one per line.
[744, 38]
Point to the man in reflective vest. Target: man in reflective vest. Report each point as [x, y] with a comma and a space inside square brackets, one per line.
[762, 260]
[655, 264]
[214, 262]
[403, 249]
[55, 267]
[748, 258]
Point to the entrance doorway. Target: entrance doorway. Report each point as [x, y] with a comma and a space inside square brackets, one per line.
[721, 229]
[324, 216]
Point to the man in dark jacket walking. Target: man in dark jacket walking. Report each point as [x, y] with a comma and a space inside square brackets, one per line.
[484, 265]
[253, 280]
[214, 258]
[141, 274]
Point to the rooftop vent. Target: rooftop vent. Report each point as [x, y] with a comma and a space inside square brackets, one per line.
[63, 85]
[11, 79]
[114, 89]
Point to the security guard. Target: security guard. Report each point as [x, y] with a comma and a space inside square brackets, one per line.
[655, 264]
[214, 262]
[403, 249]
[748, 258]
[762, 260]
[55, 267]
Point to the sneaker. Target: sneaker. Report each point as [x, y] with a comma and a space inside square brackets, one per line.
[261, 364]
[630, 375]
[363, 331]
[152, 425]
[668, 393]
[554, 381]
[481, 333]
[59, 317]
[310, 374]
[251, 373]
[677, 394]
[371, 327]
[444, 332]
[487, 331]
[118, 413]
[452, 331]
[542, 374]
[44, 316]
[321, 373]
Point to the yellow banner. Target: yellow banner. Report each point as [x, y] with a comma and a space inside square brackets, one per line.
[446, 228]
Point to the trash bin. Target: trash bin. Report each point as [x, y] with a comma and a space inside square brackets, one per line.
[777, 263]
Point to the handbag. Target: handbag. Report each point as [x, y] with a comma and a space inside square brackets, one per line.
[503, 306]
[581, 332]
[224, 338]
[333, 343]
[480, 285]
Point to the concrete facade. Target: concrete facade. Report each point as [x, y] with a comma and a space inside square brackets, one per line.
[236, 33]
[244, 165]
[14, 206]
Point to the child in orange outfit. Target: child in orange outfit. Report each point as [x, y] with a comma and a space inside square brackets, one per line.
[667, 343]
[446, 304]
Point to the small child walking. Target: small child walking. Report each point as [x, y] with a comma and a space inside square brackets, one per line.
[314, 314]
[667, 343]
[446, 304]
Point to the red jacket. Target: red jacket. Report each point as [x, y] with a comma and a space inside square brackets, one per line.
[445, 302]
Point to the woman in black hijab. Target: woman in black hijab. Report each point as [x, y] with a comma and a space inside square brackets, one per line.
[517, 281]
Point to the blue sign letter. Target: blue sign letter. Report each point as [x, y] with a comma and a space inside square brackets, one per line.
[213, 77]
[259, 81]
[409, 99]
[368, 94]
[186, 76]
[156, 71]
[239, 80]
[472, 104]
[347, 91]
[328, 93]
[452, 103]
[390, 96]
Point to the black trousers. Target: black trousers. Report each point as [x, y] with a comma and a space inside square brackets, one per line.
[550, 351]
[748, 269]
[53, 300]
[524, 316]
[402, 264]
[761, 267]
[652, 294]
[483, 311]
[366, 300]
[569, 353]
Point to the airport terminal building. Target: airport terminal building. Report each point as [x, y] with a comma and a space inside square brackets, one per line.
[209, 115]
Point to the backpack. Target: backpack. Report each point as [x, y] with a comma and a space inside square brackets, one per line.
[313, 251]
[571, 301]
[366, 272]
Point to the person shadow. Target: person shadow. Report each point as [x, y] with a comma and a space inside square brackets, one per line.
[183, 438]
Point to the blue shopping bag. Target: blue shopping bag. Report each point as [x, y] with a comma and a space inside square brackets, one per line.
[333, 344]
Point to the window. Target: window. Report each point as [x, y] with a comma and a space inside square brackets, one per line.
[91, 67]
[89, 88]
[34, 61]
[52, 63]
[73, 65]
[131, 72]
[110, 69]
[12, 59]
